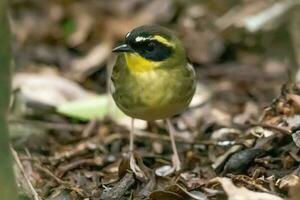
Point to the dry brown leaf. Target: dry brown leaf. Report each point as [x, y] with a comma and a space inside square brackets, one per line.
[242, 193]
[288, 181]
[81, 67]
[48, 89]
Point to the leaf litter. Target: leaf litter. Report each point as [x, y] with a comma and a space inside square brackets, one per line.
[238, 140]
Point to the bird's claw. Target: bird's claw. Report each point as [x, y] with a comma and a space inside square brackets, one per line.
[135, 167]
[168, 170]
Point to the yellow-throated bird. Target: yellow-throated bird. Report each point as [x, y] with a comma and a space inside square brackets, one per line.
[152, 79]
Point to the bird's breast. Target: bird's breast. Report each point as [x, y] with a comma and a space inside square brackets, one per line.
[154, 94]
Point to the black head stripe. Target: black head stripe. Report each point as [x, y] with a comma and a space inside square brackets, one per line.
[154, 50]
[142, 40]
[150, 48]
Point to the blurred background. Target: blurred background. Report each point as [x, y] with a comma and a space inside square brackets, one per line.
[240, 49]
[246, 54]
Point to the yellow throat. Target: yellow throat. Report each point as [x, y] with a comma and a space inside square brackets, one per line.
[138, 64]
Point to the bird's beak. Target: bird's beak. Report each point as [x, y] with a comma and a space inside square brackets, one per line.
[122, 48]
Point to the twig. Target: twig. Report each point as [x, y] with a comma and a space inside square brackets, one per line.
[158, 137]
[88, 130]
[262, 19]
[58, 180]
[20, 166]
[50, 174]
[270, 126]
[77, 163]
[50, 125]
[92, 143]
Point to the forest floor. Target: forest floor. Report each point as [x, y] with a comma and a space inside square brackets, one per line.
[239, 139]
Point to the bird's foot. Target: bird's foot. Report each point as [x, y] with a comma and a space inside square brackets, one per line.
[176, 163]
[135, 164]
[168, 170]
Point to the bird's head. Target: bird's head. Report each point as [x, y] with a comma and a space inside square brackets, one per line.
[148, 47]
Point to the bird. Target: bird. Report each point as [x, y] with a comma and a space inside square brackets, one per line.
[152, 80]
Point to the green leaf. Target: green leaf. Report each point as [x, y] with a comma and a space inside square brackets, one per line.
[91, 108]
[69, 26]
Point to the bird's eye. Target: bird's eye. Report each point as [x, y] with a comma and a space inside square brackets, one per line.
[150, 47]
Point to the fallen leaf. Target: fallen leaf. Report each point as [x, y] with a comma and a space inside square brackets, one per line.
[48, 89]
[240, 161]
[296, 138]
[165, 195]
[288, 181]
[185, 193]
[242, 193]
[163, 170]
[91, 108]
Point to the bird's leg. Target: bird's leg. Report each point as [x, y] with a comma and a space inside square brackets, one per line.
[132, 160]
[175, 157]
[131, 139]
